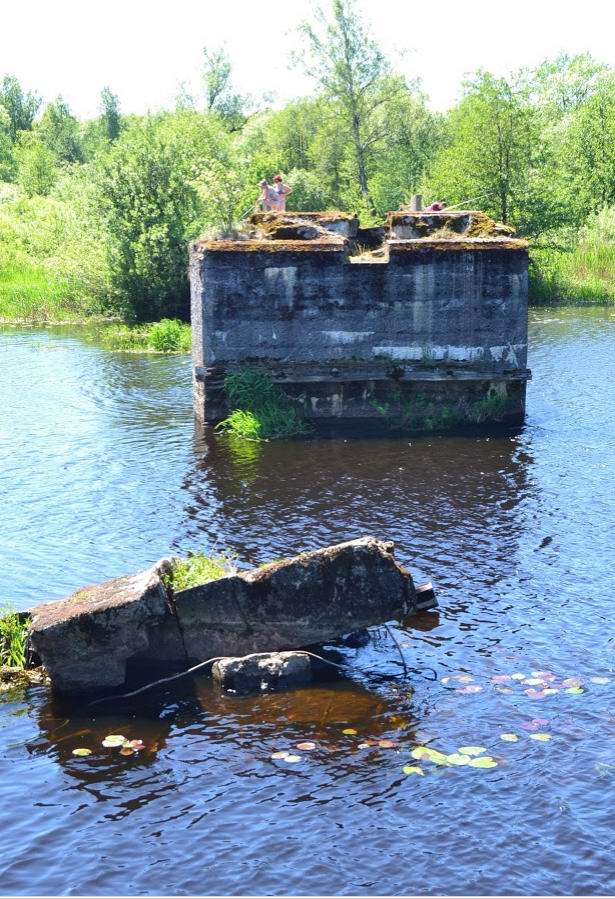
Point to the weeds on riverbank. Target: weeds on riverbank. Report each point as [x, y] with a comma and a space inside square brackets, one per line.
[196, 569]
[13, 637]
[32, 293]
[582, 275]
[166, 336]
[261, 409]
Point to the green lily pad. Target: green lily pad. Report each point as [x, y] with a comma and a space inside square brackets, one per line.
[350, 731]
[575, 690]
[484, 761]
[518, 676]
[472, 750]
[292, 759]
[542, 738]
[420, 752]
[279, 755]
[413, 769]
[509, 738]
[82, 751]
[457, 758]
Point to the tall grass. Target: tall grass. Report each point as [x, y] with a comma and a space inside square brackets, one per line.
[13, 637]
[166, 336]
[32, 293]
[582, 275]
[261, 409]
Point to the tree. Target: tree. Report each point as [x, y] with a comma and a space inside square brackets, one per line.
[351, 70]
[7, 158]
[20, 106]
[150, 210]
[36, 165]
[496, 154]
[590, 149]
[219, 95]
[110, 114]
[59, 131]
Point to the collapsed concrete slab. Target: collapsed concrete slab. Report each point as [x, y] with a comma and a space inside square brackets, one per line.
[94, 638]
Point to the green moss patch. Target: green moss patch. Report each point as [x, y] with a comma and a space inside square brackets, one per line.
[195, 570]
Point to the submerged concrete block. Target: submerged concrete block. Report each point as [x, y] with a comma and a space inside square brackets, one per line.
[263, 671]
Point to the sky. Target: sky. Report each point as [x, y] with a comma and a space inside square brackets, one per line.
[144, 50]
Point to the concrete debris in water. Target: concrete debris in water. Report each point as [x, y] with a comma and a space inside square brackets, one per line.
[103, 635]
[263, 671]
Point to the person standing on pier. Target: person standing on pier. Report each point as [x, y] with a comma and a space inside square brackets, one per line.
[281, 192]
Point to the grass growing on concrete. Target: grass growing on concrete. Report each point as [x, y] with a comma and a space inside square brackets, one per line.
[166, 336]
[13, 638]
[261, 409]
[195, 570]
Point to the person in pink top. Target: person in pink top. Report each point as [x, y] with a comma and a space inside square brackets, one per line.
[281, 191]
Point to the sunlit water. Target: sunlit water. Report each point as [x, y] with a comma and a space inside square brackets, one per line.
[102, 471]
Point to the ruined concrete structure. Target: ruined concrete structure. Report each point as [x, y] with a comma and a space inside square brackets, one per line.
[421, 324]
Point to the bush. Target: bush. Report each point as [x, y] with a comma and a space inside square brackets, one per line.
[261, 409]
[166, 336]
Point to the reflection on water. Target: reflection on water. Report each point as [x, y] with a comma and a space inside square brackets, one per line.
[102, 471]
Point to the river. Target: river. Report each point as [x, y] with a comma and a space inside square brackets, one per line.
[102, 471]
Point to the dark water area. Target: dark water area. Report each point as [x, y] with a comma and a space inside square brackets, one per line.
[102, 471]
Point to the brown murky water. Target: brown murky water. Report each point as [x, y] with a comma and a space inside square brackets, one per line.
[102, 471]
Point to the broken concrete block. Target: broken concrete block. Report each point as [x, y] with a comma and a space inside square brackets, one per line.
[263, 671]
[307, 599]
[86, 640]
[100, 636]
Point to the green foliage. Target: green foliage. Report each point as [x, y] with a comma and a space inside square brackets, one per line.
[261, 409]
[21, 106]
[13, 639]
[165, 336]
[195, 570]
[490, 408]
[110, 117]
[59, 132]
[579, 275]
[150, 210]
[36, 166]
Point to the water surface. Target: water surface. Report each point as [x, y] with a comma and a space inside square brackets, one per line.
[102, 471]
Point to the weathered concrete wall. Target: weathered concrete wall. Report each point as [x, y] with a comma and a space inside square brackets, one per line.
[434, 310]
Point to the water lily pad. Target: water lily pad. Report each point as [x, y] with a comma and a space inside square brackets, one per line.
[464, 678]
[503, 689]
[572, 682]
[387, 744]
[542, 738]
[126, 750]
[500, 678]
[135, 745]
[280, 755]
[420, 752]
[550, 691]
[114, 740]
[458, 758]
[509, 738]
[543, 674]
[360, 746]
[307, 746]
[600, 680]
[82, 751]
[484, 761]
[472, 750]
[533, 693]
[292, 759]
[575, 690]
[350, 731]
[471, 688]
[533, 681]
[413, 769]
[518, 676]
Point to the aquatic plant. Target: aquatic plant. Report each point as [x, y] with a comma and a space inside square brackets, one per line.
[13, 638]
[195, 570]
[417, 413]
[490, 408]
[166, 336]
[261, 409]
